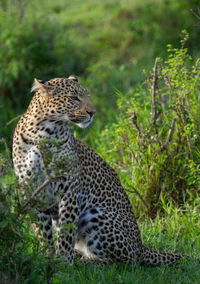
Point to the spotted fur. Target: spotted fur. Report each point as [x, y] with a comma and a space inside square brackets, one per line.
[88, 196]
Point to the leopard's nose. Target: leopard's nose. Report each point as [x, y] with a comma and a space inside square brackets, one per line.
[91, 113]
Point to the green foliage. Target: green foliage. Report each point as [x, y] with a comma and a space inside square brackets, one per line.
[155, 143]
[105, 43]
[22, 260]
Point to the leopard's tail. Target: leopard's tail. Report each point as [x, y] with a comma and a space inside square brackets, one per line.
[155, 258]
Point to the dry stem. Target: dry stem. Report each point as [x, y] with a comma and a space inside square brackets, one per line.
[134, 121]
[169, 136]
[140, 196]
[154, 111]
[38, 190]
[195, 14]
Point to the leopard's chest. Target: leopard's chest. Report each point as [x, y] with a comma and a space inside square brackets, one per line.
[27, 163]
[33, 169]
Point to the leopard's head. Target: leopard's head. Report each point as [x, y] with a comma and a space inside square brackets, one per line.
[66, 100]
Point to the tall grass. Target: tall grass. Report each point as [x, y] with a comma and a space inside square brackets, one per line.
[155, 143]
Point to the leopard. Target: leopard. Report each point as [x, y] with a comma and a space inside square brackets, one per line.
[84, 199]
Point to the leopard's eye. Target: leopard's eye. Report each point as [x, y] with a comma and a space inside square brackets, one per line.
[76, 99]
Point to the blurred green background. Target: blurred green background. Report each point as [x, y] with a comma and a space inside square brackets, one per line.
[106, 43]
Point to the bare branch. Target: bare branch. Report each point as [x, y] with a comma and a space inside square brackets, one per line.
[15, 118]
[134, 121]
[195, 14]
[140, 196]
[169, 136]
[21, 12]
[38, 190]
[18, 234]
[182, 125]
[189, 146]
[154, 111]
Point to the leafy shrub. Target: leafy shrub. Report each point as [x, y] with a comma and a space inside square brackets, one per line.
[155, 143]
[21, 257]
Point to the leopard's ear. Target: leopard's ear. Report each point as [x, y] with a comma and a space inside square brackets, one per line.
[39, 85]
[73, 77]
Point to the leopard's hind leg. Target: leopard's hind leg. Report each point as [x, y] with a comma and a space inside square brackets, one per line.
[102, 235]
[43, 229]
[111, 238]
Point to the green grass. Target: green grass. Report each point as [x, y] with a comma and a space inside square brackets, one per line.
[182, 274]
[124, 274]
[176, 231]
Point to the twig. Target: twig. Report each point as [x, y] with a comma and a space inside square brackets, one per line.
[21, 12]
[134, 121]
[182, 125]
[169, 136]
[3, 140]
[189, 146]
[195, 14]
[18, 234]
[140, 196]
[10, 121]
[40, 188]
[154, 112]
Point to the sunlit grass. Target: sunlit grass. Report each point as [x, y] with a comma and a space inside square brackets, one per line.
[176, 232]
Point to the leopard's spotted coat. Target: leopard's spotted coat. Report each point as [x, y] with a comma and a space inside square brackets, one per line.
[91, 198]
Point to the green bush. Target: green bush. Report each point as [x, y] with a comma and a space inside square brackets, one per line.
[21, 257]
[155, 144]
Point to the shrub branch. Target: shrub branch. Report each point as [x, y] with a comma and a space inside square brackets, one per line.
[35, 193]
[169, 136]
[154, 111]
[134, 121]
[195, 14]
[139, 195]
